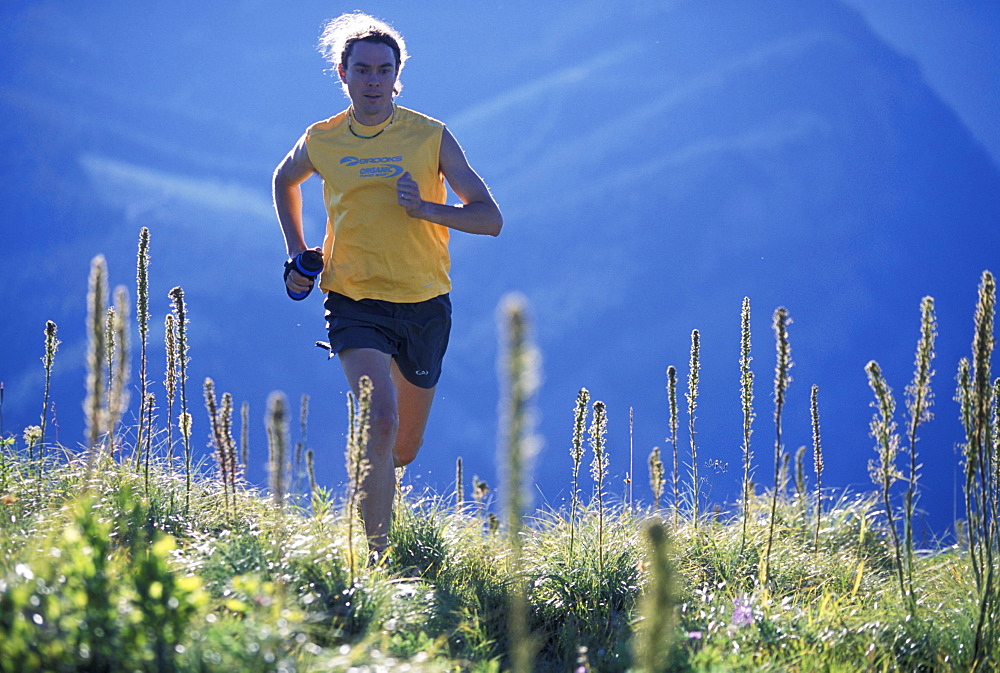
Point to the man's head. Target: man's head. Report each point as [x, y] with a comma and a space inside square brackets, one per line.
[340, 35]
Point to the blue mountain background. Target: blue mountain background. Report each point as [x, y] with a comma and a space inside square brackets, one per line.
[656, 163]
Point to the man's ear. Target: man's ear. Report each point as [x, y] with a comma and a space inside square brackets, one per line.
[342, 73]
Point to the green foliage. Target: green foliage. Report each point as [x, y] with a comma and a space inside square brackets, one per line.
[204, 574]
[95, 601]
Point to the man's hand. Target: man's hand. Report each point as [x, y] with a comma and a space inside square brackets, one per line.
[408, 195]
[298, 284]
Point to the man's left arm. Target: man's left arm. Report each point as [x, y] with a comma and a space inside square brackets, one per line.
[478, 214]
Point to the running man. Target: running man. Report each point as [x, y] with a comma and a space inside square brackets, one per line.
[385, 254]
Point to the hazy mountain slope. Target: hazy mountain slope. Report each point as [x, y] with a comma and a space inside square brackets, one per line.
[655, 165]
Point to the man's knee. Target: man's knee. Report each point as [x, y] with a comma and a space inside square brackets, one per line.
[382, 428]
[406, 449]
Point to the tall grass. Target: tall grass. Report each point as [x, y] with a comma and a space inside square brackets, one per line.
[358, 465]
[919, 399]
[576, 453]
[977, 399]
[694, 375]
[144, 434]
[783, 363]
[746, 404]
[95, 412]
[675, 474]
[180, 359]
[599, 469]
[277, 448]
[817, 458]
[520, 369]
[884, 472]
[95, 577]
[48, 360]
[656, 476]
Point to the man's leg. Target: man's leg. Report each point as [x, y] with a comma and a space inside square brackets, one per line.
[413, 404]
[379, 486]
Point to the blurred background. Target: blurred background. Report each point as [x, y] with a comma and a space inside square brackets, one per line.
[656, 162]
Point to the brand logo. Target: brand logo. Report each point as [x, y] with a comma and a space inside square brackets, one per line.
[375, 167]
[421, 372]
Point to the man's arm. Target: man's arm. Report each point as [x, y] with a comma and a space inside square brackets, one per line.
[478, 214]
[286, 190]
[293, 170]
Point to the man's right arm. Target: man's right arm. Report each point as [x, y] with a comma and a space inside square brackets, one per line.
[293, 170]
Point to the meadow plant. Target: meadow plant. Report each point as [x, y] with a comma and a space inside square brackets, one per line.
[919, 399]
[977, 400]
[519, 366]
[630, 500]
[220, 421]
[675, 474]
[88, 583]
[110, 336]
[118, 361]
[245, 434]
[145, 433]
[181, 360]
[480, 489]
[694, 374]
[656, 476]
[170, 379]
[884, 472]
[653, 640]
[149, 406]
[817, 458]
[783, 363]
[576, 452]
[277, 447]
[48, 360]
[599, 470]
[746, 403]
[459, 484]
[358, 465]
[302, 443]
[95, 413]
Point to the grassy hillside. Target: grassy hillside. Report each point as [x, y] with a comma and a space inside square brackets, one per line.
[125, 555]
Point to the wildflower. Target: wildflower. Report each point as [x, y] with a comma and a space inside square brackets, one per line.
[694, 635]
[742, 612]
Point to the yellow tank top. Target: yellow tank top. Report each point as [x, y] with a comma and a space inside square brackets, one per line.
[373, 249]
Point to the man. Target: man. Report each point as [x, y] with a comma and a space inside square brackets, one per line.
[385, 254]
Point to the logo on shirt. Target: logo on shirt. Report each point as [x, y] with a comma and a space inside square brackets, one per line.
[375, 167]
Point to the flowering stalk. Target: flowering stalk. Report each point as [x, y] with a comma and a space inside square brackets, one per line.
[783, 363]
[746, 399]
[95, 412]
[144, 438]
[181, 358]
[672, 406]
[694, 372]
[817, 457]
[51, 346]
[884, 472]
[576, 451]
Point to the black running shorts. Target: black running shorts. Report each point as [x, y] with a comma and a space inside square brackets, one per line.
[415, 335]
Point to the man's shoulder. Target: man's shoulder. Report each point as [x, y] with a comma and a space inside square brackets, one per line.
[326, 125]
[418, 118]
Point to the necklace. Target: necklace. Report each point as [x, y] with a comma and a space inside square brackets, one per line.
[350, 126]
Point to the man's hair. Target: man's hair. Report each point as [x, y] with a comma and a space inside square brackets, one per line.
[340, 34]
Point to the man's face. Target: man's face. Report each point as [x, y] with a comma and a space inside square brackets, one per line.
[370, 77]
